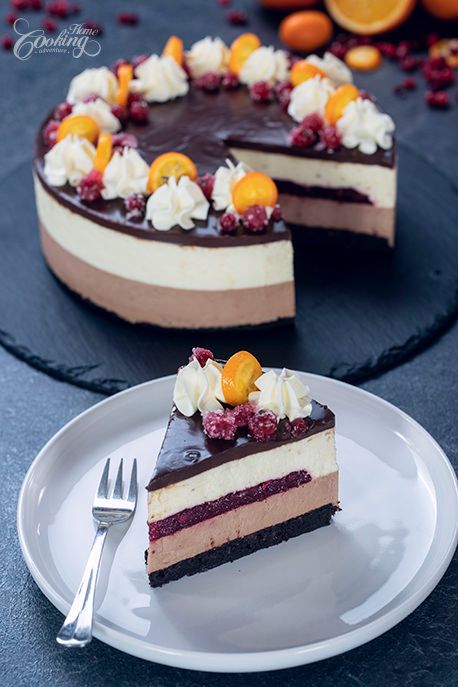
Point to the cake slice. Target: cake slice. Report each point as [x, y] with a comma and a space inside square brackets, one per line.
[248, 461]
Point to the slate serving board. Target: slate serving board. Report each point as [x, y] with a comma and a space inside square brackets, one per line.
[358, 314]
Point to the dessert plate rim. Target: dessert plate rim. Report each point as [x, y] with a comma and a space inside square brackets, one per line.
[258, 660]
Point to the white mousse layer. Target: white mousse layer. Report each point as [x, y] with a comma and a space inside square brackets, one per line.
[316, 454]
[375, 181]
[164, 264]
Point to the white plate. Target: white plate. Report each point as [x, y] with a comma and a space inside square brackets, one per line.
[307, 599]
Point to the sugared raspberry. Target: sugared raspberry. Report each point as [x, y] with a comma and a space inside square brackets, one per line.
[94, 26]
[120, 112]
[277, 214]
[206, 183]
[283, 93]
[219, 424]
[313, 122]
[135, 206]
[127, 18]
[120, 141]
[58, 9]
[138, 60]
[237, 17]
[437, 99]
[299, 427]
[139, 111]
[409, 64]
[10, 18]
[50, 133]
[255, 218]
[262, 426]
[49, 25]
[243, 413]
[230, 81]
[261, 92]
[338, 49]
[7, 42]
[121, 61]
[90, 187]
[62, 110]
[302, 138]
[330, 137]
[227, 223]
[283, 430]
[209, 82]
[134, 97]
[201, 355]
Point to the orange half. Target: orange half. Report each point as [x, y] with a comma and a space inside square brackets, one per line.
[368, 17]
[170, 165]
[239, 376]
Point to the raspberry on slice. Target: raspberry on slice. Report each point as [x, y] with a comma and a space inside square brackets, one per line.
[219, 424]
[277, 214]
[301, 137]
[135, 206]
[227, 223]
[313, 122]
[243, 413]
[261, 92]
[263, 425]
[139, 111]
[206, 183]
[201, 355]
[299, 427]
[230, 81]
[255, 218]
[330, 138]
[209, 82]
[90, 187]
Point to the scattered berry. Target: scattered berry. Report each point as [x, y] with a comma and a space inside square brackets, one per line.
[208, 82]
[338, 49]
[62, 110]
[237, 17]
[330, 137]
[301, 137]
[409, 64]
[93, 26]
[313, 122]
[261, 92]
[224, 3]
[139, 111]
[120, 112]
[437, 100]
[50, 133]
[227, 223]
[230, 81]
[403, 49]
[7, 42]
[36, 5]
[409, 83]
[90, 187]
[219, 424]
[49, 25]
[277, 214]
[283, 93]
[262, 426]
[138, 60]
[255, 218]
[20, 4]
[59, 9]
[243, 413]
[127, 18]
[387, 49]
[206, 183]
[10, 18]
[135, 206]
[120, 141]
[299, 427]
[201, 355]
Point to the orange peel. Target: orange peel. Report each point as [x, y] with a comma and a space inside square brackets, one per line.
[103, 152]
[174, 48]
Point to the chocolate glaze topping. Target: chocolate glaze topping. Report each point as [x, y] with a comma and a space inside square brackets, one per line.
[203, 125]
[187, 451]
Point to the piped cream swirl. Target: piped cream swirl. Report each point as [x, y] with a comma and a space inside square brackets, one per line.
[284, 394]
[198, 388]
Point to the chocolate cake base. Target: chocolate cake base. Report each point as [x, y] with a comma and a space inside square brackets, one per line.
[243, 547]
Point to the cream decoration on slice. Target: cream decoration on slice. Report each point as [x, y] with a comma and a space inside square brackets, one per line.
[198, 388]
[225, 179]
[160, 79]
[308, 97]
[265, 64]
[364, 127]
[99, 81]
[126, 174]
[175, 204]
[336, 70]
[207, 55]
[284, 394]
[69, 161]
[101, 112]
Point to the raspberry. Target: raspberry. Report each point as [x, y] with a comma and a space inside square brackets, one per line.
[58, 9]
[36, 5]
[224, 3]
[134, 98]
[227, 223]
[138, 60]
[7, 42]
[261, 92]
[243, 413]
[20, 4]
[201, 355]
[93, 26]
[50, 133]
[120, 112]
[284, 430]
[10, 18]
[255, 218]
[330, 138]
[313, 122]
[89, 188]
[219, 424]
[62, 110]
[139, 111]
[127, 18]
[299, 427]
[118, 63]
[262, 426]
[302, 138]
[120, 141]
[237, 17]
[402, 50]
[277, 214]
[49, 25]
[387, 49]
[409, 64]
[283, 93]
[338, 49]
[206, 183]
[437, 99]
[135, 206]
[209, 82]
[230, 81]
[409, 83]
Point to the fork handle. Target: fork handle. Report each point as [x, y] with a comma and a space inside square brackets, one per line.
[76, 630]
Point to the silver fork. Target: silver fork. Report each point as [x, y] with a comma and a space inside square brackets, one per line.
[106, 510]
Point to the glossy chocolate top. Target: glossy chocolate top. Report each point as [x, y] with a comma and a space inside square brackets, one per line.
[187, 451]
[202, 125]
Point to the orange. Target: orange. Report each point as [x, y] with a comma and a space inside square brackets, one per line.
[288, 4]
[448, 48]
[254, 188]
[241, 49]
[364, 57]
[338, 101]
[303, 70]
[170, 165]
[78, 125]
[174, 48]
[103, 152]
[125, 74]
[368, 17]
[305, 31]
[443, 9]
[239, 376]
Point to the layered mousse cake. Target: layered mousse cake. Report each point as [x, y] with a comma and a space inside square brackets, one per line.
[162, 183]
[248, 461]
